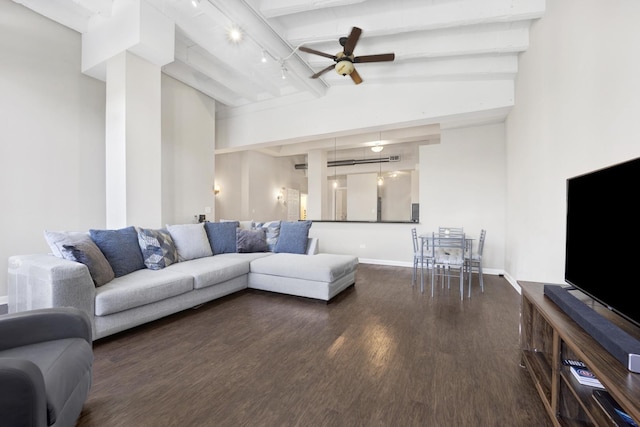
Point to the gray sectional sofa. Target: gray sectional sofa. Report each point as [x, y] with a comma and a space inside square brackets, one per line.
[131, 299]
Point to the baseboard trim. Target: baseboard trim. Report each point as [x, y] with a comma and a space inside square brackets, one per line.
[490, 271]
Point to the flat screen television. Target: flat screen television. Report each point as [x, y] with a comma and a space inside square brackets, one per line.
[603, 241]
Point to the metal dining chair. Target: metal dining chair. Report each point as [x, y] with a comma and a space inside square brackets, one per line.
[449, 259]
[474, 262]
[421, 256]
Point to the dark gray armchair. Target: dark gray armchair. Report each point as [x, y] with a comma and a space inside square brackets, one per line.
[46, 365]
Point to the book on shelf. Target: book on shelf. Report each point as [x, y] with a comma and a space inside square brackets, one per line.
[616, 414]
[585, 377]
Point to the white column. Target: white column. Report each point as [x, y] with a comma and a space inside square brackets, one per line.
[317, 185]
[127, 49]
[133, 142]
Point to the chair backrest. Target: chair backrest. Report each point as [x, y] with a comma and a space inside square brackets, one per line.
[451, 231]
[414, 237]
[451, 246]
[483, 233]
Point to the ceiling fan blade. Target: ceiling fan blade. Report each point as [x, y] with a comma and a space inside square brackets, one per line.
[350, 44]
[375, 58]
[356, 77]
[317, 52]
[321, 72]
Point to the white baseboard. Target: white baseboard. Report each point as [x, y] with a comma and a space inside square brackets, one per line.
[490, 271]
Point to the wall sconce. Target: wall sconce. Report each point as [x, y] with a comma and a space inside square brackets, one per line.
[280, 196]
[216, 189]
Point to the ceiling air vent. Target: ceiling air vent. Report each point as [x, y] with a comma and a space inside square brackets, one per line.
[394, 158]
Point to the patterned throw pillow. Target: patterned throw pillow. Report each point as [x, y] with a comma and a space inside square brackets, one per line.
[121, 249]
[272, 230]
[251, 241]
[87, 252]
[158, 249]
[293, 237]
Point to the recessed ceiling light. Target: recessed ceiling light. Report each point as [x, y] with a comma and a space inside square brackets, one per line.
[235, 34]
[377, 148]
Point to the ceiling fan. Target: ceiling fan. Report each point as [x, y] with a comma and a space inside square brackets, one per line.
[344, 60]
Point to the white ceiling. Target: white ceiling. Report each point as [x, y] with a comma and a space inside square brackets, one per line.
[433, 40]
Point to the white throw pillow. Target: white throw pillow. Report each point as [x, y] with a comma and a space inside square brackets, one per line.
[191, 241]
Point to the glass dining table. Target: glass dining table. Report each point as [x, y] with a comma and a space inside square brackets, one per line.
[444, 251]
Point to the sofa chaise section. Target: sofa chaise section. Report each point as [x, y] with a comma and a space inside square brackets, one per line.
[320, 276]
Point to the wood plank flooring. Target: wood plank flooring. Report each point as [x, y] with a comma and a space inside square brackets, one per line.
[379, 354]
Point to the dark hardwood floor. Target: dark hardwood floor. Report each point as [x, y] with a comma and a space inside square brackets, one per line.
[379, 354]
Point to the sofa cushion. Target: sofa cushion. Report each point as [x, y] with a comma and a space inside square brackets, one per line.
[191, 241]
[321, 267]
[293, 237]
[212, 270]
[121, 249]
[158, 248]
[248, 241]
[222, 236]
[139, 288]
[88, 253]
[64, 364]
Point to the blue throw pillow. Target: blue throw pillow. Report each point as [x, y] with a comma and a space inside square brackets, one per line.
[121, 249]
[293, 237]
[222, 236]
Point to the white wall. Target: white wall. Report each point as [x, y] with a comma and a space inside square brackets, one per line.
[188, 145]
[577, 109]
[462, 184]
[52, 154]
[52, 165]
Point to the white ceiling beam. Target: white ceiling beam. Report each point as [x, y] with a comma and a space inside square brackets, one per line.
[276, 8]
[225, 72]
[394, 20]
[184, 73]
[262, 33]
[69, 14]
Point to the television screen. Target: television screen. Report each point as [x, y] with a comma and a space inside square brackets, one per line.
[602, 241]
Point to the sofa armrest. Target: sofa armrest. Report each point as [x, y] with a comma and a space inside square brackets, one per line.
[46, 324]
[312, 245]
[43, 281]
[23, 394]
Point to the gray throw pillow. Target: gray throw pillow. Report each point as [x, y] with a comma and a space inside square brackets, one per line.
[88, 253]
[121, 249]
[251, 241]
[158, 249]
[293, 237]
[222, 236]
[191, 241]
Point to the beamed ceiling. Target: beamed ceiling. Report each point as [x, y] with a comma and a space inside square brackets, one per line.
[433, 41]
